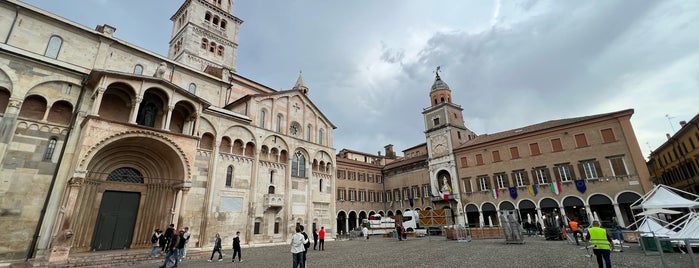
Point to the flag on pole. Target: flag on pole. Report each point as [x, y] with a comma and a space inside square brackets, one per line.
[410, 201]
[422, 200]
[494, 193]
[533, 190]
[401, 203]
[555, 187]
[513, 192]
[446, 196]
[392, 204]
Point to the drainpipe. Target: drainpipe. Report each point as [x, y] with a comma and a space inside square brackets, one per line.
[35, 237]
[12, 27]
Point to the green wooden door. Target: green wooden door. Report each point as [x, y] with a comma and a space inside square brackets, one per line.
[116, 220]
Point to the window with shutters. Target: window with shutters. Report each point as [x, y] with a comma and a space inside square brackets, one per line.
[496, 156]
[618, 166]
[415, 192]
[362, 176]
[426, 189]
[379, 197]
[341, 194]
[608, 135]
[464, 162]
[467, 185]
[563, 173]
[479, 159]
[556, 145]
[372, 196]
[484, 183]
[340, 174]
[396, 194]
[534, 149]
[514, 152]
[590, 169]
[352, 195]
[580, 140]
[520, 177]
[405, 193]
[389, 197]
[541, 175]
[501, 180]
[362, 196]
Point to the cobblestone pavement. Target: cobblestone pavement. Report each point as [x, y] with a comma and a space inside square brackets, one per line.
[439, 252]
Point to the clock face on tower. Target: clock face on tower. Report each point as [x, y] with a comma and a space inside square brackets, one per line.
[439, 145]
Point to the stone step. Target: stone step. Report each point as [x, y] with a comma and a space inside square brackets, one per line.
[109, 258]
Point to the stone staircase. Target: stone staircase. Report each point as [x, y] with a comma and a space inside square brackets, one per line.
[109, 258]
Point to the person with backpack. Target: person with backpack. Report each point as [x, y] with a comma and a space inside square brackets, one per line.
[306, 244]
[162, 241]
[155, 239]
[217, 248]
[172, 251]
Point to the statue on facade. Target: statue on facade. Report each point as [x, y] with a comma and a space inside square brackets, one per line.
[161, 70]
[446, 188]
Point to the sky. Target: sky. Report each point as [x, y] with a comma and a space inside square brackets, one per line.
[369, 65]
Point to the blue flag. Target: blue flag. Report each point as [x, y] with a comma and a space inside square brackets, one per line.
[580, 185]
[513, 192]
[411, 202]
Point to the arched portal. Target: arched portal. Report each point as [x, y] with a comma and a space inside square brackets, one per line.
[341, 219]
[352, 222]
[575, 209]
[472, 215]
[601, 207]
[134, 180]
[625, 200]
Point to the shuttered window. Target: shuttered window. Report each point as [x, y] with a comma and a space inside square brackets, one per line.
[556, 145]
[534, 149]
[464, 162]
[608, 135]
[496, 156]
[580, 140]
[479, 159]
[514, 152]
[618, 166]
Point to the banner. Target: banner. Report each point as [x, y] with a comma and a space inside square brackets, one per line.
[580, 185]
[555, 187]
[513, 192]
[411, 202]
[533, 190]
[494, 193]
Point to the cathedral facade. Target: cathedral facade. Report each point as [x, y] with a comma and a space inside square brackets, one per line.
[101, 141]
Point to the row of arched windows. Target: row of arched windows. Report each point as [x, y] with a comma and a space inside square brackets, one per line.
[292, 130]
[35, 107]
[212, 47]
[215, 21]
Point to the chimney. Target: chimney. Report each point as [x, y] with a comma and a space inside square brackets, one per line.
[389, 151]
[682, 123]
[668, 135]
[106, 29]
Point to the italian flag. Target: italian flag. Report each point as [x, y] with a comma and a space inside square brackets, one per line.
[556, 187]
[494, 193]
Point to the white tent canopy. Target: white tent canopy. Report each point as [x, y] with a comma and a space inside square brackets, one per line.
[663, 196]
[654, 211]
[653, 228]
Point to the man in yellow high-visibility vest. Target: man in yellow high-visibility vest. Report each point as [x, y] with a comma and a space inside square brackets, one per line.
[602, 242]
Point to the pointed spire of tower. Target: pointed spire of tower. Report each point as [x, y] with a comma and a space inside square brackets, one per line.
[300, 84]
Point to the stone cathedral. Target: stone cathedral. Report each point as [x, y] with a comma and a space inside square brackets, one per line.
[102, 141]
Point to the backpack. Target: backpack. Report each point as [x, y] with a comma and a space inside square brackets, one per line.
[307, 244]
[154, 239]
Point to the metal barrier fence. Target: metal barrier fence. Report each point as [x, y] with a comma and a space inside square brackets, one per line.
[687, 243]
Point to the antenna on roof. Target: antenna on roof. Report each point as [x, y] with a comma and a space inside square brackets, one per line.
[668, 120]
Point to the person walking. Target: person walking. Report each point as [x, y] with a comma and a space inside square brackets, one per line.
[399, 233]
[154, 239]
[321, 238]
[236, 247]
[575, 229]
[365, 232]
[297, 249]
[315, 238]
[172, 251]
[186, 236]
[217, 248]
[602, 242]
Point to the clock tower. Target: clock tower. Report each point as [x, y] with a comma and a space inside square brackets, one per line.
[205, 34]
[444, 131]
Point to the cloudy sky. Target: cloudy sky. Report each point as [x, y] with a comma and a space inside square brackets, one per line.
[370, 64]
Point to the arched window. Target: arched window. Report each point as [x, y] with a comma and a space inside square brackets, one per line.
[125, 174]
[212, 47]
[320, 186]
[270, 189]
[262, 118]
[223, 24]
[220, 51]
[271, 177]
[215, 21]
[50, 148]
[229, 176]
[320, 136]
[138, 69]
[258, 224]
[204, 43]
[298, 165]
[54, 46]
[207, 17]
[192, 88]
[279, 123]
